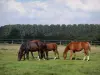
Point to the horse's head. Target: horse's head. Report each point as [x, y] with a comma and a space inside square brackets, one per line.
[65, 52]
[20, 54]
[64, 55]
[22, 50]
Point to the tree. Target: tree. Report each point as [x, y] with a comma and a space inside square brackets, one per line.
[14, 34]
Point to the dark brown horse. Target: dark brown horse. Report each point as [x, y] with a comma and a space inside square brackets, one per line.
[52, 47]
[76, 47]
[35, 41]
[32, 47]
[40, 44]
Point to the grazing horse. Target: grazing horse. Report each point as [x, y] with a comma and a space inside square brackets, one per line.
[52, 47]
[43, 47]
[76, 47]
[32, 47]
[35, 41]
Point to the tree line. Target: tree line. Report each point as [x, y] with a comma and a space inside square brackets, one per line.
[51, 32]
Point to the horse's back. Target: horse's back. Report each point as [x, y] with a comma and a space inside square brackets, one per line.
[33, 46]
[78, 45]
[86, 45]
[35, 41]
[51, 46]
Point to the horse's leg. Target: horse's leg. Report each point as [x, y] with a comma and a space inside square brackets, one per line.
[57, 53]
[32, 55]
[71, 53]
[38, 55]
[27, 55]
[85, 54]
[54, 54]
[84, 57]
[74, 55]
[24, 55]
[46, 55]
[88, 58]
[43, 54]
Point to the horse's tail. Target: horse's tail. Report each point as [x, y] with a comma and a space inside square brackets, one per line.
[89, 47]
[56, 47]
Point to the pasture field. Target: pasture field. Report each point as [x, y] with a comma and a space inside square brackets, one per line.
[10, 66]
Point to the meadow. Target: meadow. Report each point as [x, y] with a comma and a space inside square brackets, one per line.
[10, 66]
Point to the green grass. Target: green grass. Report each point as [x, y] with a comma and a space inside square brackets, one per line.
[10, 66]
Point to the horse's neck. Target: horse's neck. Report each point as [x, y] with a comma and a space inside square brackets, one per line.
[66, 49]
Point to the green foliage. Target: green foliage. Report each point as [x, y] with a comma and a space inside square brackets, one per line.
[14, 34]
[51, 32]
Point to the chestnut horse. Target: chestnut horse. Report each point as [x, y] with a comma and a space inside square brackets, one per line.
[76, 47]
[52, 47]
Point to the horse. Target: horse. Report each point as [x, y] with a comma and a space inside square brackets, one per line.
[76, 47]
[39, 43]
[35, 41]
[52, 47]
[32, 47]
